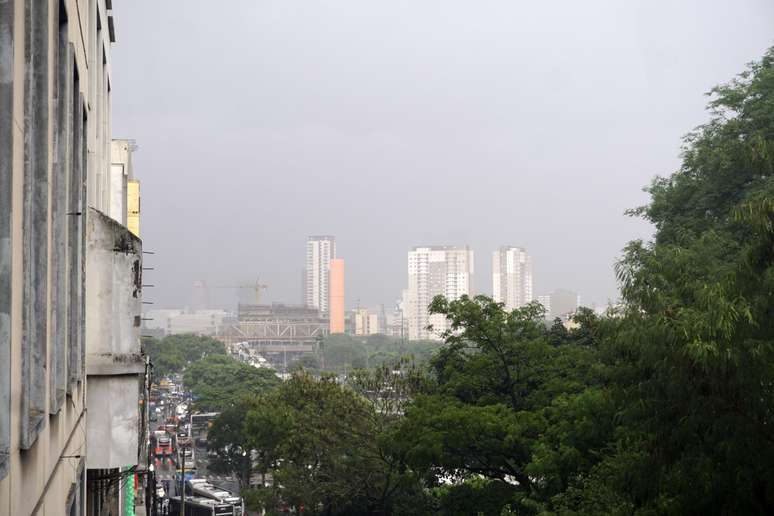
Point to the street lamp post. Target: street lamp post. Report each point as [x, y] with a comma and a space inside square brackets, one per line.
[182, 481]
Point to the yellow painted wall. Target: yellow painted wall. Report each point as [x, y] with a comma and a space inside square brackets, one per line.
[133, 206]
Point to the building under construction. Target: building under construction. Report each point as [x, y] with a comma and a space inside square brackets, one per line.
[277, 331]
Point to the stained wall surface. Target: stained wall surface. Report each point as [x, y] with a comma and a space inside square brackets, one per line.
[54, 120]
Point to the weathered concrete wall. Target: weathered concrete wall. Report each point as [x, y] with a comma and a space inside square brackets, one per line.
[114, 363]
[35, 221]
[113, 424]
[6, 171]
[113, 288]
[48, 104]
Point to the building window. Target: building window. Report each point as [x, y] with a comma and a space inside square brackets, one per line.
[6, 175]
[35, 215]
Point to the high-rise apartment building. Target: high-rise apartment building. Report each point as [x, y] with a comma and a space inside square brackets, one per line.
[512, 277]
[432, 271]
[336, 315]
[320, 250]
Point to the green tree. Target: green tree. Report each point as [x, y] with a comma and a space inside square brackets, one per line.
[325, 442]
[504, 418]
[173, 353]
[344, 353]
[228, 438]
[307, 362]
[692, 358]
[266, 427]
[217, 382]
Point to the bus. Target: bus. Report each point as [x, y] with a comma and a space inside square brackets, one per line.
[198, 506]
[203, 488]
[200, 423]
[164, 446]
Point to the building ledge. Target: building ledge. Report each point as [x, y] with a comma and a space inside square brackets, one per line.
[110, 364]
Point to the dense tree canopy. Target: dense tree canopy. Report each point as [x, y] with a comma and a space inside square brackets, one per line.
[692, 357]
[665, 405]
[217, 382]
[327, 445]
[173, 353]
[343, 353]
[228, 438]
[514, 412]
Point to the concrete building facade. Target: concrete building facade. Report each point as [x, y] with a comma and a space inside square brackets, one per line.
[115, 366]
[336, 315]
[179, 321]
[54, 143]
[123, 188]
[200, 322]
[432, 271]
[367, 322]
[512, 277]
[320, 250]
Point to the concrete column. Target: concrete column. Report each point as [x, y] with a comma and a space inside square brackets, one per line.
[6, 173]
[35, 220]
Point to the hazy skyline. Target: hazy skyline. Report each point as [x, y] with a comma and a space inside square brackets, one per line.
[403, 123]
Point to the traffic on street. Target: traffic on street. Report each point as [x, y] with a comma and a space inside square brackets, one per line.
[178, 449]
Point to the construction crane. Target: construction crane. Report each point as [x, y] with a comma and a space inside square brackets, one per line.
[255, 287]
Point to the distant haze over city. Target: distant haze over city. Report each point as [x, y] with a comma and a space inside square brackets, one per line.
[398, 124]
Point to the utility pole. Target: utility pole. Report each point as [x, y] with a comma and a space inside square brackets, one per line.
[182, 483]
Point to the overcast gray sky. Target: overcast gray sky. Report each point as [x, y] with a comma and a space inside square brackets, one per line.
[396, 123]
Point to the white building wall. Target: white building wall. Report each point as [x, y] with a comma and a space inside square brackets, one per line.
[120, 174]
[114, 362]
[367, 322]
[512, 277]
[432, 271]
[113, 403]
[159, 319]
[546, 302]
[320, 250]
[201, 322]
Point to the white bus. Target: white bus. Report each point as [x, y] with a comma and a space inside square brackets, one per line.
[203, 488]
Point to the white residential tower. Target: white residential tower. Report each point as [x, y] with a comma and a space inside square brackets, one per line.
[512, 277]
[432, 271]
[320, 250]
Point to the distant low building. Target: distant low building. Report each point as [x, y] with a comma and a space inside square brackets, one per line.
[278, 332]
[367, 322]
[560, 303]
[179, 321]
[395, 321]
[158, 320]
[201, 322]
